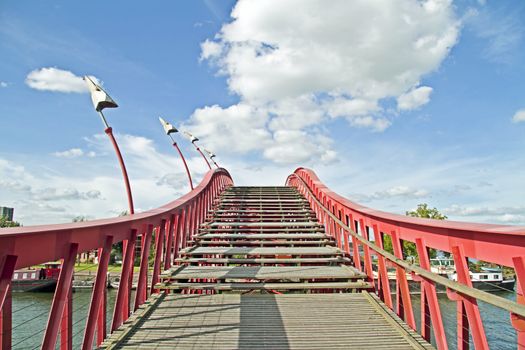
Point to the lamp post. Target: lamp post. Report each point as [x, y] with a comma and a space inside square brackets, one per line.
[102, 100]
[211, 155]
[170, 129]
[193, 140]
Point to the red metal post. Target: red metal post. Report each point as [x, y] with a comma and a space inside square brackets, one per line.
[202, 154]
[159, 246]
[178, 235]
[172, 224]
[60, 298]
[142, 286]
[382, 270]
[6, 274]
[470, 304]
[121, 310]
[97, 296]
[519, 322]
[6, 322]
[430, 301]
[109, 132]
[404, 304]
[368, 258]
[101, 317]
[66, 324]
[185, 164]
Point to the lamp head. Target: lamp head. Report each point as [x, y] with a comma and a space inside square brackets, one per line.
[168, 128]
[192, 138]
[99, 97]
[210, 153]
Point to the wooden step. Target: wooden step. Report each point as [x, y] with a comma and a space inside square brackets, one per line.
[258, 236]
[264, 286]
[341, 272]
[263, 224]
[319, 261]
[274, 251]
[272, 243]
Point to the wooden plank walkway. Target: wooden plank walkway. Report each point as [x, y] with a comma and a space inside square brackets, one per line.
[243, 321]
[296, 290]
[263, 272]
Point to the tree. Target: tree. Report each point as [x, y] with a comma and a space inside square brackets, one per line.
[423, 211]
[8, 223]
[409, 248]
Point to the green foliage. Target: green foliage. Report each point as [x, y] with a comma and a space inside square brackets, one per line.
[7, 223]
[423, 211]
[409, 248]
[79, 218]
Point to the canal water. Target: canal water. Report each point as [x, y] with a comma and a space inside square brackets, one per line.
[30, 311]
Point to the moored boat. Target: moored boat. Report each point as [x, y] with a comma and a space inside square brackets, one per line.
[42, 279]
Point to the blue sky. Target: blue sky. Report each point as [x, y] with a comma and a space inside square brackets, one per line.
[426, 103]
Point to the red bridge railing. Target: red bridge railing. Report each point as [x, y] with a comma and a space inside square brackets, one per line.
[166, 230]
[360, 231]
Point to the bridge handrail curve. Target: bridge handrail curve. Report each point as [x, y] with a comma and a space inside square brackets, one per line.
[119, 227]
[453, 285]
[349, 222]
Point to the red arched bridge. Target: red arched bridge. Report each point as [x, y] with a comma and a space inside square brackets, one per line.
[296, 266]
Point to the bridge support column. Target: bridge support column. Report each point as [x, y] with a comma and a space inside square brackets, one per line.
[66, 323]
[121, 310]
[97, 296]
[159, 246]
[142, 286]
[6, 274]
[382, 280]
[429, 302]
[404, 303]
[519, 322]
[60, 298]
[469, 304]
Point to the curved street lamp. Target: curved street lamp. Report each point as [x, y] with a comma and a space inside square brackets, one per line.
[170, 129]
[100, 101]
[211, 155]
[193, 140]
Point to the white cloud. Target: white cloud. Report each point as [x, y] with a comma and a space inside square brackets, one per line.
[54, 79]
[519, 116]
[502, 31]
[415, 98]
[297, 72]
[404, 192]
[3, 84]
[70, 153]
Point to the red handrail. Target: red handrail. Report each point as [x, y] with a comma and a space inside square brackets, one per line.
[26, 246]
[351, 224]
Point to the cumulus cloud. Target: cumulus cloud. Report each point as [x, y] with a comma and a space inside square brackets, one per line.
[54, 79]
[53, 194]
[519, 116]
[415, 98]
[403, 192]
[3, 84]
[332, 59]
[506, 215]
[70, 153]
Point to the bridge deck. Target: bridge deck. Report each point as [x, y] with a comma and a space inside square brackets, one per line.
[265, 321]
[239, 305]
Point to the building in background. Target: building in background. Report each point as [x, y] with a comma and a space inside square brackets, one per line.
[7, 213]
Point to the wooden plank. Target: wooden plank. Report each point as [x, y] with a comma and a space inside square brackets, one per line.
[265, 224]
[261, 243]
[291, 236]
[319, 261]
[263, 286]
[227, 251]
[263, 272]
[229, 321]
